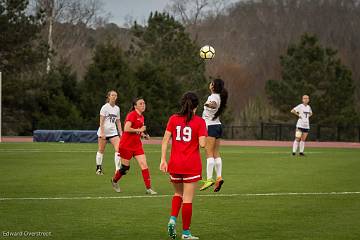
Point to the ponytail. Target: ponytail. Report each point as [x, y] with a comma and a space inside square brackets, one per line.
[220, 89]
[189, 102]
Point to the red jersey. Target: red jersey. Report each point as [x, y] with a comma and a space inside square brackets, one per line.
[185, 155]
[132, 140]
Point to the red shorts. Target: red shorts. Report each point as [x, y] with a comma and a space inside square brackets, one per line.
[129, 154]
[184, 178]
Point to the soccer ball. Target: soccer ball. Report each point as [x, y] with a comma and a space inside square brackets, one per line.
[207, 52]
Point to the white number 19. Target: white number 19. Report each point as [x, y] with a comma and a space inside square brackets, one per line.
[186, 134]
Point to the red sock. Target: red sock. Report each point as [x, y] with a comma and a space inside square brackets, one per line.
[117, 176]
[176, 205]
[186, 215]
[146, 177]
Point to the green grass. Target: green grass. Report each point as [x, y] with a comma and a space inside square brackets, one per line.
[67, 170]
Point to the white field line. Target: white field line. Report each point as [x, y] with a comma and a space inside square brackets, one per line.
[200, 195]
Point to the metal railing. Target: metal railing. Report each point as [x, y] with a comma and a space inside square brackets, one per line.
[284, 131]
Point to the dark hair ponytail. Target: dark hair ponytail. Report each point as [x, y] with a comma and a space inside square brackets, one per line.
[189, 102]
[218, 85]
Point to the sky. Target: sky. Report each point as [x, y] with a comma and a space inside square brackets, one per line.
[138, 9]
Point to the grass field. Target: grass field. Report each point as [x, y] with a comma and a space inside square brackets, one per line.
[67, 172]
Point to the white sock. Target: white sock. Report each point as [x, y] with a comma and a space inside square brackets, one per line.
[117, 161]
[218, 166]
[210, 167]
[99, 158]
[295, 146]
[302, 146]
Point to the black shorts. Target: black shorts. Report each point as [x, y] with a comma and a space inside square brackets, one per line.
[303, 130]
[215, 131]
[110, 137]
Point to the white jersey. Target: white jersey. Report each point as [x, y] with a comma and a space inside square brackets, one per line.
[304, 113]
[209, 113]
[111, 114]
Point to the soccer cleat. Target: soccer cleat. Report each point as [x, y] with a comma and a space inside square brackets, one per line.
[219, 182]
[172, 229]
[185, 236]
[207, 183]
[99, 171]
[302, 154]
[150, 191]
[293, 154]
[115, 186]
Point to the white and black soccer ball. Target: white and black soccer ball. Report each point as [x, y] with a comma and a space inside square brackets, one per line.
[207, 52]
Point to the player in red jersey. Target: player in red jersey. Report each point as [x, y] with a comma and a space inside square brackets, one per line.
[187, 132]
[131, 146]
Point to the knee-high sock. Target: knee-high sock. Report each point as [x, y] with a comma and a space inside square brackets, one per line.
[175, 206]
[186, 215]
[117, 176]
[218, 166]
[99, 158]
[146, 177]
[295, 146]
[117, 161]
[302, 146]
[210, 163]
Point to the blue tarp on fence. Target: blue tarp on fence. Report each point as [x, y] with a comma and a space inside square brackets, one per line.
[82, 136]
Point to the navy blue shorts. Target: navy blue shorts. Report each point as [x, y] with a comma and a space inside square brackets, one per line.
[215, 131]
[110, 137]
[303, 130]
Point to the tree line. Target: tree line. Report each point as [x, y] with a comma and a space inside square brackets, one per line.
[268, 52]
[159, 66]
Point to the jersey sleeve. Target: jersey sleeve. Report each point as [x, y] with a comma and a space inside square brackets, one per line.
[170, 124]
[310, 110]
[297, 108]
[202, 128]
[130, 118]
[103, 111]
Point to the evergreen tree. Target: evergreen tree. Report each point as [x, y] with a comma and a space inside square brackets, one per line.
[55, 104]
[309, 68]
[109, 70]
[166, 64]
[22, 54]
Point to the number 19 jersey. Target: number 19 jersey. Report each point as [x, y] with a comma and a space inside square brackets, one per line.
[185, 155]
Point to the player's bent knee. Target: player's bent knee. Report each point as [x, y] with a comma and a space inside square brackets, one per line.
[124, 169]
